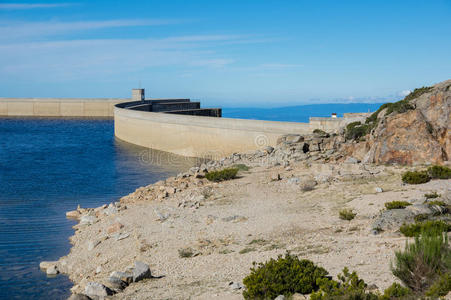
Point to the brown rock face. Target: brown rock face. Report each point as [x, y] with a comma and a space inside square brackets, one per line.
[417, 136]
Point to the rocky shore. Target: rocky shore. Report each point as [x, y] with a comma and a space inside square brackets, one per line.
[188, 238]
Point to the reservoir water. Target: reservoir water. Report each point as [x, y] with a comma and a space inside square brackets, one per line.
[48, 167]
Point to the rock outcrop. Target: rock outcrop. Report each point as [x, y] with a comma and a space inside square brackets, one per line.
[418, 136]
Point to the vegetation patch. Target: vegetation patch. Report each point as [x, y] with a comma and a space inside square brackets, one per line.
[422, 261]
[397, 204]
[246, 250]
[432, 195]
[346, 214]
[396, 291]
[415, 177]
[441, 287]
[186, 252]
[356, 130]
[282, 276]
[225, 174]
[349, 286]
[439, 172]
[437, 202]
[411, 230]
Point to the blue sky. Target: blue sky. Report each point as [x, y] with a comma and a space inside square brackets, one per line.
[228, 53]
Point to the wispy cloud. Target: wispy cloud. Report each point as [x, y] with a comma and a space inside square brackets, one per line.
[20, 30]
[280, 66]
[22, 6]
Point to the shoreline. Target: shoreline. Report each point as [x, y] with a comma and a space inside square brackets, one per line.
[202, 237]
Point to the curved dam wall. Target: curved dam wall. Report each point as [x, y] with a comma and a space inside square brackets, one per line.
[207, 137]
[59, 107]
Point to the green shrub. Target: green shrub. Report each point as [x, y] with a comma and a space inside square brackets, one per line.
[186, 252]
[356, 130]
[439, 172]
[225, 174]
[349, 286]
[421, 217]
[423, 260]
[396, 204]
[282, 276]
[432, 195]
[437, 202]
[415, 177]
[411, 230]
[396, 291]
[418, 92]
[346, 214]
[441, 287]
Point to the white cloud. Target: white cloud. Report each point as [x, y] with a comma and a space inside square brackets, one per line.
[19, 6]
[21, 30]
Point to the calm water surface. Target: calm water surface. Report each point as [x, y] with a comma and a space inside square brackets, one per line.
[47, 167]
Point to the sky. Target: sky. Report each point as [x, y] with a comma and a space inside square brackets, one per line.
[225, 53]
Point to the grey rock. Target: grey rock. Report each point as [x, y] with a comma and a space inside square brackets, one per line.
[95, 289]
[124, 276]
[392, 219]
[117, 283]
[378, 190]
[420, 209]
[78, 297]
[52, 270]
[236, 285]
[121, 236]
[111, 210]
[235, 219]
[294, 180]
[351, 160]
[268, 149]
[88, 220]
[141, 271]
[294, 138]
[280, 297]
[92, 245]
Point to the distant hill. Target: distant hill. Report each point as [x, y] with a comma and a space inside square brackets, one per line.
[299, 113]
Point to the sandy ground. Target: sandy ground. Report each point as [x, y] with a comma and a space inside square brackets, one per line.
[229, 225]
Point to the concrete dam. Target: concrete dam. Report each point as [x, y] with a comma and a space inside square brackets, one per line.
[178, 126]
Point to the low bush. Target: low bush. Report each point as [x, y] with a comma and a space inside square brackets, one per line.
[356, 130]
[346, 214]
[411, 230]
[225, 174]
[186, 252]
[415, 177]
[423, 260]
[396, 204]
[396, 291]
[439, 172]
[432, 195]
[349, 286]
[421, 217]
[437, 202]
[441, 287]
[282, 276]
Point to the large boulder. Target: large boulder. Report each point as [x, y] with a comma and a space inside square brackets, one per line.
[417, 136]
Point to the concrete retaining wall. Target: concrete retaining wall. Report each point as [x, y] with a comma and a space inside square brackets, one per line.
[58, 107]
[199, 136]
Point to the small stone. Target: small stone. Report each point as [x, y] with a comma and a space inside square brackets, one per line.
[280, 297]
[351, 160]
[98, 269]
[293, 180]
[297, 296]
[78, 297]
[268, 149]
[52, 270]
[117, 284]
[88, 220]
[121, 236]
[92, 245]
[44, 265]
[378, 190]
[73, 214]
[114, 227]
[95, 289]
[275, 177]
[141, 271]
[124, 276]
[236, 285]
